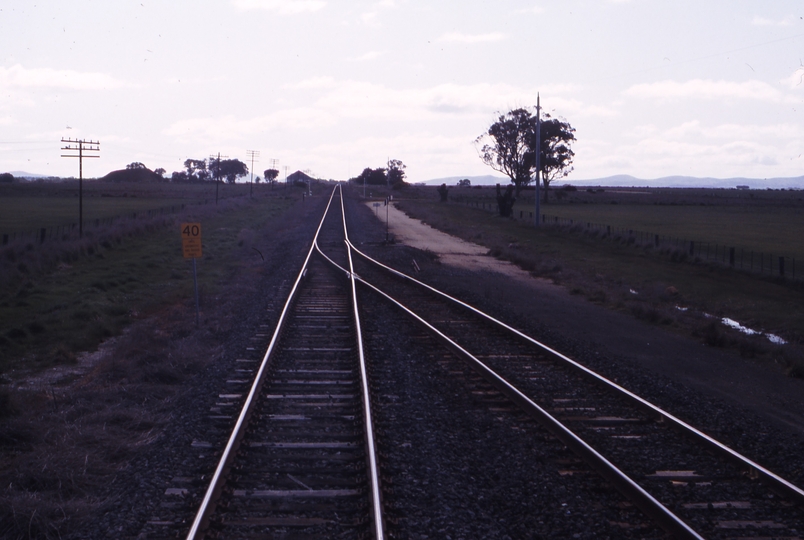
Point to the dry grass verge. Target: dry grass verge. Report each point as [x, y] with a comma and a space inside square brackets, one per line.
[67, 432]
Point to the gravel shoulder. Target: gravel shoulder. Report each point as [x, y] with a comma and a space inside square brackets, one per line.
[751, 407]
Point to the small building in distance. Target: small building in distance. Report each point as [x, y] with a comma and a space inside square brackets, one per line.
[300, 177]
[743, 187]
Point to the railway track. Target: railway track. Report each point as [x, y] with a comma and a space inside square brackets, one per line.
[690, 484]
[301, 461]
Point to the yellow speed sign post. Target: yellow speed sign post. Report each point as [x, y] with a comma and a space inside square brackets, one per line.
[191, 240]
[191, 249]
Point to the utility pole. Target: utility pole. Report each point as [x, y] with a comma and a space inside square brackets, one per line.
[91, 146]
[286, 176]
[252, 154]
[217, 172]
[274, 161]
[538, 157]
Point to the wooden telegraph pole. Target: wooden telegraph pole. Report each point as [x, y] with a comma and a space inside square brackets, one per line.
[81, 146]
[217, 161]
[252, 154]
[538, 157]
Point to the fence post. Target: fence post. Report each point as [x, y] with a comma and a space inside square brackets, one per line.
[731, 256]
[42, 233]
[781, 266]
[608, 230]
[5, 239]
[520, 214]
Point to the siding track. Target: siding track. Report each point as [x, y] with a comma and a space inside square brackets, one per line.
[690, 484]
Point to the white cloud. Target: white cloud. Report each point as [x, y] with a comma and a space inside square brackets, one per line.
[371, 55]
[369, 18]
[471, 38]
[18, 76]
[536, 10]
[796, 79]
[283, 7]
[361, 99]
[232, 128]
[312, 83]
[695, 147]
[762, 21]
[706, 89]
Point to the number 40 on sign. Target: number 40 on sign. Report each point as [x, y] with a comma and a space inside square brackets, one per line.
[191, 240]
[191, 248]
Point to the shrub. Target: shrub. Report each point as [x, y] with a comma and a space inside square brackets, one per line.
[712, 335]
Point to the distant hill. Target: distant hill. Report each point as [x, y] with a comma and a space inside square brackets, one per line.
[624, 180]
[487, 180]
[23, 174]
[133, 175]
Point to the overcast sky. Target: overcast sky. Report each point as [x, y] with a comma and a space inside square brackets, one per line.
[653, 88]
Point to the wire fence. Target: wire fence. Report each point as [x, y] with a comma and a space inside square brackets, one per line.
[678, 248]
[69, 231]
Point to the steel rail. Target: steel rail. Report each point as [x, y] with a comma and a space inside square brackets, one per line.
[755, 470]
[376, 503]
[201, 521]
[370, 442]
[630, 489]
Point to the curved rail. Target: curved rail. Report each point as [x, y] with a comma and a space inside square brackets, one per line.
[756, 470]
[630, 489]
[376, 503]
[633, 491]
[207, 506]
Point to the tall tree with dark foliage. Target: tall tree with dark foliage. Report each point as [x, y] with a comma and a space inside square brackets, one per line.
[508, 146]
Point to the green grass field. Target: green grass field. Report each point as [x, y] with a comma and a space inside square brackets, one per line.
[761, 229]
[771, 222]
[48, 318]
[34, 206]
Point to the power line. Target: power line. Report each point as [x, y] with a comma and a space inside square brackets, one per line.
[217, 172]
[252, 154]
[91, 146]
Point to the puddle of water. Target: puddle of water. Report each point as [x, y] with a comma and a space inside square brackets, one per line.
[750, 331]
[737, 326]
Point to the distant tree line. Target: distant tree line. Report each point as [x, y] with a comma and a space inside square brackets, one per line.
[202, 170]
[393, 175]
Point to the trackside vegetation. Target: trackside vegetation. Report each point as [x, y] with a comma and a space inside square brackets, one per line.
[61, 298]
[654, 284]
